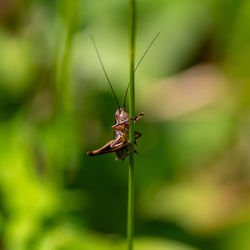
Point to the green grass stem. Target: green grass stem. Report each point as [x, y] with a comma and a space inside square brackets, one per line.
[131, 174]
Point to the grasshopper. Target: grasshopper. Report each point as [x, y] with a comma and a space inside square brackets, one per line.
[120, 144]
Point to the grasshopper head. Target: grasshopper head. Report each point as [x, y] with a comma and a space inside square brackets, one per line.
[121, 115]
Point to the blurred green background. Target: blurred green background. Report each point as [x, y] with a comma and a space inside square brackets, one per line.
[193, 166]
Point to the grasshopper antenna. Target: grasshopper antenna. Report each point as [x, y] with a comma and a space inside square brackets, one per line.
[138, 64]
[100, 60]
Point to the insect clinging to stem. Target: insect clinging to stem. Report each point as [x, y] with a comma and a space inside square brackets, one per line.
[120, 143]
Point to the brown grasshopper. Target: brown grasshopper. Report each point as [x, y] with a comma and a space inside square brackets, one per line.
[120, 144]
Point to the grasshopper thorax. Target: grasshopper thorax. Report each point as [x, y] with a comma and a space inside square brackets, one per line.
[121, 115]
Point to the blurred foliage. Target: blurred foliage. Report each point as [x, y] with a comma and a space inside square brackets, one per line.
[192, 170]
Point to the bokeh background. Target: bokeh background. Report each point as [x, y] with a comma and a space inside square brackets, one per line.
[193, 166]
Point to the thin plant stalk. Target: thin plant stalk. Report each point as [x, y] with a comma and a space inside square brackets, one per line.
[66, 24]
[131, 174]
[67, 18]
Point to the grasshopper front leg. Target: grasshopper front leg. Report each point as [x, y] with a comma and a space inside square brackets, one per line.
[138, 117]
[120, 126]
